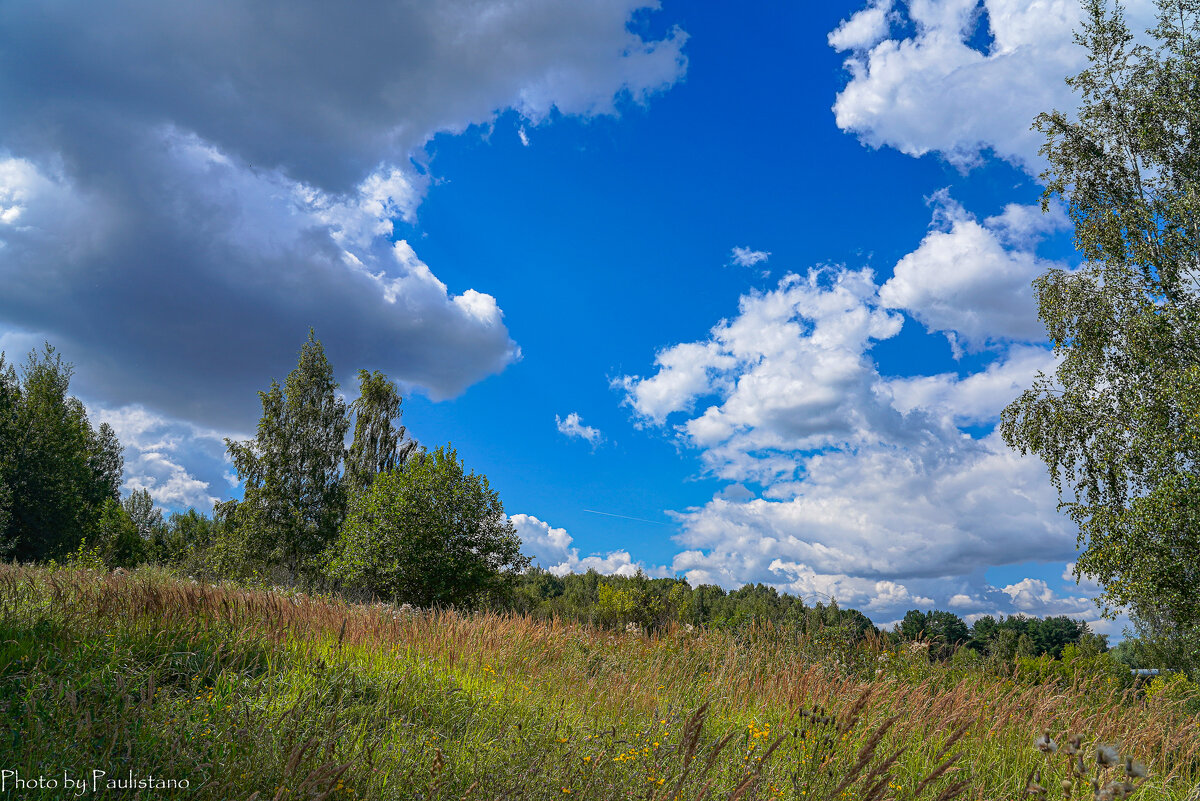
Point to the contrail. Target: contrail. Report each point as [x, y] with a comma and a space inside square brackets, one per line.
[626, 517]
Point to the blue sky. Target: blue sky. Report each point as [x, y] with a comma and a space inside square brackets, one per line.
[729, 293]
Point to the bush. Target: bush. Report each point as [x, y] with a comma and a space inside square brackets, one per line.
[120, 543]
[430, 534]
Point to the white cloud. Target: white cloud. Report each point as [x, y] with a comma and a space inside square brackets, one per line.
[239, 201]
[1086, 584]
[929, 90]
[747, 257]
[975, 399]
[864, 29]
[334, 92]
[550, 548]
[262, 258]
[1034, 597]
[974, 281]
[869, 489]
[573, 426]
[156, 449]
[685, 372]
[964, 602]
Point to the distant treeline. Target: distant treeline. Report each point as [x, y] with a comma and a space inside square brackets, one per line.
[644, 602]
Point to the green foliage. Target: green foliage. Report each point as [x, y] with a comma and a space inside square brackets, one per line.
[85, 557]
[1174, 688]
[298, 474]
[118, 539]
[379, 445]
[294, 498]
[944, 631]
[430, 534]
[187, 533]
[654, 604]
[617, 605]
[10, 406]
[148, 521]
[1006, 639]
[1118, 423]
[56, 471]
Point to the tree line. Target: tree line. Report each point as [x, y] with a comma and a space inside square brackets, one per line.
[380, 517]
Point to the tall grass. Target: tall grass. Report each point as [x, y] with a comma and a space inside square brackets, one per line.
[253, 694]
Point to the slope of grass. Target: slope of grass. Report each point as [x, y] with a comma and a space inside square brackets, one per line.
[248, 694]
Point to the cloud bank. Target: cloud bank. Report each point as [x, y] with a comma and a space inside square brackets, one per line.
[846, 481]
[960, 77]
[186, 188]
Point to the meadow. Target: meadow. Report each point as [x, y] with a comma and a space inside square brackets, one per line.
[258, 694]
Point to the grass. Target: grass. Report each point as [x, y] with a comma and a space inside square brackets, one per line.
[250, 694]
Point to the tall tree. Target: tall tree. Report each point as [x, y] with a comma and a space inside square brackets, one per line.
[10, 400]
[379, 444]
[294, 498]
[148, 522]
[1118, 423]
[57, 470]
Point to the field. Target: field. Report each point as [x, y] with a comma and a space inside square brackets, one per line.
[247, 694]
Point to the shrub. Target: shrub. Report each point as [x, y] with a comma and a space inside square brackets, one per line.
[429, 534]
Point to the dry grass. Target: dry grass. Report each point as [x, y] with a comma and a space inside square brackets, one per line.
[270, 695]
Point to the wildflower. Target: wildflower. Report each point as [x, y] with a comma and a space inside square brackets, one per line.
[1045, 744]
[1074, 744]
[1135, 770]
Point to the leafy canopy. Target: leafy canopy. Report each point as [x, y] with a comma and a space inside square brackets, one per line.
[430, 534]
[1118, 423]
[57, 472]
[297, 471]
[294, 497]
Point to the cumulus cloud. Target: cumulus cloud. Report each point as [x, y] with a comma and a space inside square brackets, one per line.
[868, 490]
[862, 30]
[551, 549]
[184, 189]
[921, 82]
[1034, 596]
[573, 426]
[971, 280]
[747, 257]
[974, 399]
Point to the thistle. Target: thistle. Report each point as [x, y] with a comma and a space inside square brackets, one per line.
[1107, 756]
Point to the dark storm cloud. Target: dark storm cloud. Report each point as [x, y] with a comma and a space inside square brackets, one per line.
[186, 187]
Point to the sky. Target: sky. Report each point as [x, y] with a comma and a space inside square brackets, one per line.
[728, 292]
